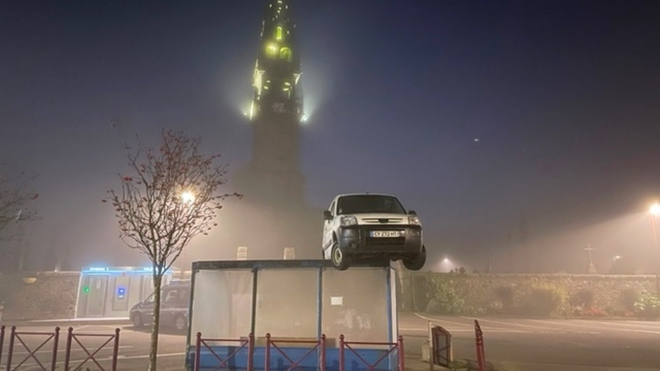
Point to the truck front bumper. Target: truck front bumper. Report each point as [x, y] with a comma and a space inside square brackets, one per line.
[359, 240]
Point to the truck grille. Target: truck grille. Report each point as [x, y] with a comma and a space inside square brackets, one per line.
[384, 244]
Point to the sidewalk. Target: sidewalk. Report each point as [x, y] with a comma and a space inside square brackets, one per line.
[118, 321]
[414, 363]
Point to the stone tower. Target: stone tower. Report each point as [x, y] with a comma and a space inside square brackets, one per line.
[273, 178]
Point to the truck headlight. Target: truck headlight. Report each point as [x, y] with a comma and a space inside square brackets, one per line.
[413, 220]
[349, 220]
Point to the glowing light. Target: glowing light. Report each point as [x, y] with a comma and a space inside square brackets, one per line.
[303, 118]
[278, 33]
[655, 209]
[271, 49]
[187, 197]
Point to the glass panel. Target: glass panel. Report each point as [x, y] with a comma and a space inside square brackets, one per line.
[355, 303]
[222, 304]
[287, 303]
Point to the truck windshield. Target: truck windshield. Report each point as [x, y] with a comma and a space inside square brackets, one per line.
[369, 204]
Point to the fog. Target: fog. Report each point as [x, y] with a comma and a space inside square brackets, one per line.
[394, 95]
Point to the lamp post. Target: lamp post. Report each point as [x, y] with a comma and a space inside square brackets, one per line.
[655, 211]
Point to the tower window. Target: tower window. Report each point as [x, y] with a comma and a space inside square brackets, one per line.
[285, 53]
[278, 33]
[271, 49]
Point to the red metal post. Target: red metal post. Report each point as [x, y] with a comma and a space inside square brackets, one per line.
[56, 340]
[2, 341]
[250, 360]
[341, 352]
[115, 350]
[198, 347]
[12, 334]
[67, 353]
[267, 358]
[322, 345]
[480, 346]
[402, 364]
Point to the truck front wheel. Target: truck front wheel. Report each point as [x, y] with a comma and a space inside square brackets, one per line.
[339, 259]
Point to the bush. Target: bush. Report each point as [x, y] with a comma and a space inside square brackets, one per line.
[629, 298]
[544, 301]
[504, 294]
[594, 312]
[583, 298]
[421, 291]
[444, 299]
[648, 306]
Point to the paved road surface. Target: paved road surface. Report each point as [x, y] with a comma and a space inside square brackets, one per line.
[547, 344]
[512, 344]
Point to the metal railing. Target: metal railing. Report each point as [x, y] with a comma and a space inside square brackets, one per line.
[223, 363]
[318, 344]
[18, 335]
[71, 337]
[440, 349]
[398, 346]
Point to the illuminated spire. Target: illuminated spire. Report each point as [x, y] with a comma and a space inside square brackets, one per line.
[277, 71]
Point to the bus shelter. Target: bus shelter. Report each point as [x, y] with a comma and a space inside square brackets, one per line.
[284, 307]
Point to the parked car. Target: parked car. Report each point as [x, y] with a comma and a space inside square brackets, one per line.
[175, 299]
[372, 226]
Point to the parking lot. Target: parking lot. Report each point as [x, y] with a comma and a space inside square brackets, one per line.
[547, 344]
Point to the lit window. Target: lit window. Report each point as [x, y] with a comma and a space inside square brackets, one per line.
[278, 33]
[271, 49]
[285, 53]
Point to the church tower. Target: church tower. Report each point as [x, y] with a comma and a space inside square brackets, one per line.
[272, 217]
[272, 178]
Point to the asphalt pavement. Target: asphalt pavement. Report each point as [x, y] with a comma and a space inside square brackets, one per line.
[545, 344]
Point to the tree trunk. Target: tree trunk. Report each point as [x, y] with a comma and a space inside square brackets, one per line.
[153, 349]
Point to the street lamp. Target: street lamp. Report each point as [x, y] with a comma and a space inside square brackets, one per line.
[655, 211]
[187, 197]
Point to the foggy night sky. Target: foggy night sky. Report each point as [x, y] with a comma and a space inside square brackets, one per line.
[563, 96]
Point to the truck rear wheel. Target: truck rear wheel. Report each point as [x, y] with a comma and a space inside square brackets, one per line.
[417, 262]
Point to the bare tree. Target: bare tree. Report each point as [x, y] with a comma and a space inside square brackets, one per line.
[171, 196]
[17, 205]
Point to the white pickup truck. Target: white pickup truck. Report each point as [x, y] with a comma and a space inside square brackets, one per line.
[371, 226]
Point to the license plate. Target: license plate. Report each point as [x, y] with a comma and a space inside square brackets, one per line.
[385, 234]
